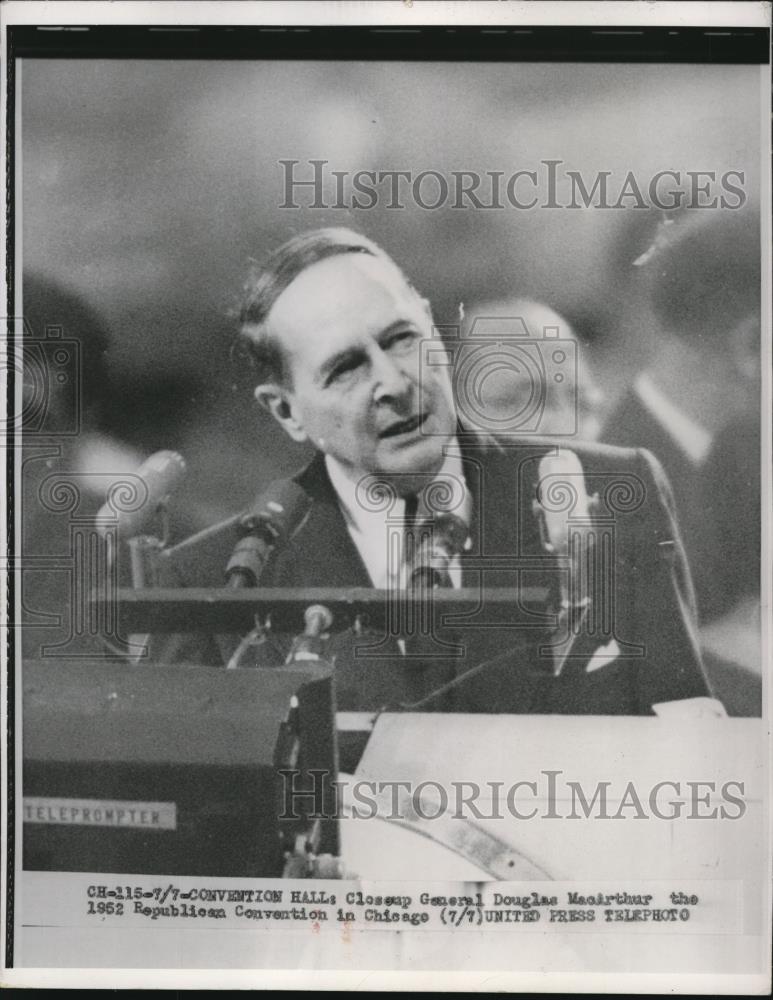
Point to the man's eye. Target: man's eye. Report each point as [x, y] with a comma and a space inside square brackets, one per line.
[342, 370]
[402, 339]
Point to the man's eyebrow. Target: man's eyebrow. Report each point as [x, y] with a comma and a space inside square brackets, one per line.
[355, 353]
[399, 324]
[331, 363]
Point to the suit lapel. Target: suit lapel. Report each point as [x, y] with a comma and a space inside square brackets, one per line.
[633, 426]
[501, 478]
[322, 547]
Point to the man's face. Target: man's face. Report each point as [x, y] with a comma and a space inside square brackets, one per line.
[352, 332]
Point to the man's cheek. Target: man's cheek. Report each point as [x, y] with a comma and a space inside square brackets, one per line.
[436, 387]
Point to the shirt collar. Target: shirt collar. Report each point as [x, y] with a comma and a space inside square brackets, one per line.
[687, 434]
[361, 519]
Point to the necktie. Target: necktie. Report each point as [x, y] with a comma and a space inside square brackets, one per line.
[411, 510]
[410, 516]
[424, 545]
[427, 667]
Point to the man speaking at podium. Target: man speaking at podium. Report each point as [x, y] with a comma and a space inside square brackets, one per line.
[346, 358]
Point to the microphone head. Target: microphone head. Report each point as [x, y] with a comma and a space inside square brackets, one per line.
[318, 617]
[263, 527]
[451, 532]
[275, 513]
[562, 462]
[561, 494]
[160, 476]
[440, 540]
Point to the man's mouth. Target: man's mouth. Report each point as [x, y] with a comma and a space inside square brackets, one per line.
[407, 426]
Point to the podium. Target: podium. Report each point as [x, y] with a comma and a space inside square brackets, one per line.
[398, 651]
[176, 768]
[687, 830]
[191, 609]
[475, 650]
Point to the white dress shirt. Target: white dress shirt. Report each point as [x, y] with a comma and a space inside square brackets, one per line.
[378, 537]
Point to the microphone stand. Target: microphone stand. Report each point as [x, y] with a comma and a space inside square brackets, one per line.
[147, 567]
[572, 599]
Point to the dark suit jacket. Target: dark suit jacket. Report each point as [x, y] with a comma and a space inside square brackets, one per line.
[648, 595]
[718, 506]
[632, 425]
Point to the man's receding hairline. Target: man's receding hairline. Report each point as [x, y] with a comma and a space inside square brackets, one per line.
[265, 328]
[357, 255]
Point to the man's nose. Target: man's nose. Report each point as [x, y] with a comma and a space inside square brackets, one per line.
[390, 380]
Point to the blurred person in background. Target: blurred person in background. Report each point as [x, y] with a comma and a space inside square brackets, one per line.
[731, 639]
[70, 457]
[696, 405]
[573, 407]
[702, 374]
[69, 400]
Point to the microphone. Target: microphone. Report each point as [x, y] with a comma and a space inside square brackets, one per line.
[308, 646]
[264, 526]
[440, 540]
[560, 480]
[161, 473]
[562, 505]
[564, 511]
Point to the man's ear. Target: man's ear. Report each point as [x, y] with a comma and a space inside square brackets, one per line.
[277, 401]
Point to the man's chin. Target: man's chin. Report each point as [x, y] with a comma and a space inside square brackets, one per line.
[420, 458]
